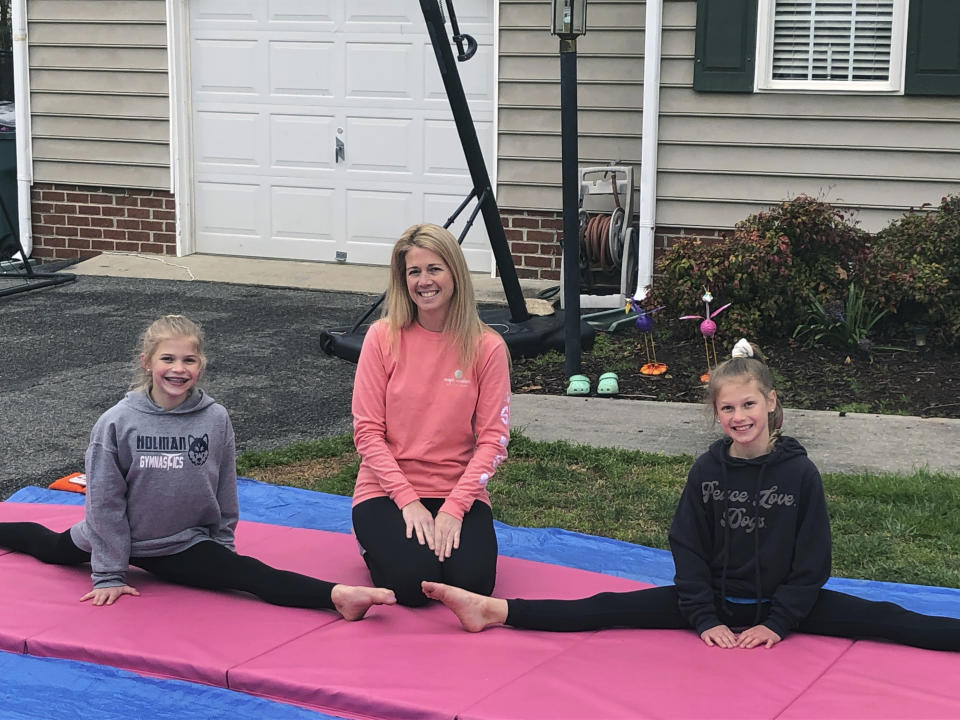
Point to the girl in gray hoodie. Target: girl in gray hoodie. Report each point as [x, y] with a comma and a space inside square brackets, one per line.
[162, 493]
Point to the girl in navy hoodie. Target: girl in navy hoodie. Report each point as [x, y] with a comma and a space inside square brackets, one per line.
[750, 542]
[162, 493]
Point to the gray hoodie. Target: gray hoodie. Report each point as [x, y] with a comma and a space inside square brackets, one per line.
[158, 482]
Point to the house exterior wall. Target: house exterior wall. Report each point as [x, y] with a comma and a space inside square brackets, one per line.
[723, 156]
[99, 114]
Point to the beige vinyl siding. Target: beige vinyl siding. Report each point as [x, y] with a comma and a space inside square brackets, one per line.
[99, 92]
[609, 89]
[723, 156]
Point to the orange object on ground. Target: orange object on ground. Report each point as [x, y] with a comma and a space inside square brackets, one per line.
[74, 482]
[653, 368]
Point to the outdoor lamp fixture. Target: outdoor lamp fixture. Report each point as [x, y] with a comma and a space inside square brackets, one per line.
[569, 18]
[920, 335]
[569, 22]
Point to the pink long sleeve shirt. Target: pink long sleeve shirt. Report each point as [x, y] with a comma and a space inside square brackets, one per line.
[424, 426]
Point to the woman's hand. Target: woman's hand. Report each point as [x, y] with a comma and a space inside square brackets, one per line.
[720, 636]
[446, 535]
[756, 636]
[108, 596]
[419, 521]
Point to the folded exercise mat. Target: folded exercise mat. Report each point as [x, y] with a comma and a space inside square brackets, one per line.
[55, 689]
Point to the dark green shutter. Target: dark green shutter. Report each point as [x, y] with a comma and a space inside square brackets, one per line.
[726, 45]
[933, 48]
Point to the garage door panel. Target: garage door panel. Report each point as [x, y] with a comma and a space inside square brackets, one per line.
[380, 70]
[375, 219]
[303, 68]
[302, 141]
[242, 13]
[443, 157]
[475, 74]
[301, 213]
[321, 12]
[384, 14]
[229, 208]
[381, 144]
[228, 139]
[233, 66]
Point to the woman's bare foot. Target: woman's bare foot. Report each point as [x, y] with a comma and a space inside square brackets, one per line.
[353, 601]
[475, 612]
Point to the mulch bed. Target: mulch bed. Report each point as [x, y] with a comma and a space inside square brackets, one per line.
[911, 381]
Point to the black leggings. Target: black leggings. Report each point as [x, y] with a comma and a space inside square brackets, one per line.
[207, 565]
[834, 613]
[400, 564]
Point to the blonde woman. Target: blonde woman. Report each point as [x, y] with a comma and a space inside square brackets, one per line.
[431, 414]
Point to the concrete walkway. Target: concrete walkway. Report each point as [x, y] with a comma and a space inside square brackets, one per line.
[850, 443]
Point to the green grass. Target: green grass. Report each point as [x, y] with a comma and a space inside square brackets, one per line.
[897, 528]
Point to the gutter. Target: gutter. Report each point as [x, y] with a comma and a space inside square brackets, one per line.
[653, 30]
[21, 98]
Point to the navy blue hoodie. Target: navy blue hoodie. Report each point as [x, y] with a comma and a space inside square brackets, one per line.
[755, 529]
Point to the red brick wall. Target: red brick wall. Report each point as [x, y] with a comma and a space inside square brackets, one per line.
[535, 239]
[79, 221]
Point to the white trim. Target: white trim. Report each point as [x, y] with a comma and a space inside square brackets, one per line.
[764, 81]
[21, 98]
[181, 127]
[495, 140]
[652, 31]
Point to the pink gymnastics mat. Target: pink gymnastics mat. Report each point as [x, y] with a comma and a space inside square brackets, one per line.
[416, 663]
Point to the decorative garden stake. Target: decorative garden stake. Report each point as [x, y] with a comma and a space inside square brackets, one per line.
[644, 323]
[708, 328]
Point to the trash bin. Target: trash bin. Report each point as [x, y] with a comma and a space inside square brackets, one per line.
[9, 221]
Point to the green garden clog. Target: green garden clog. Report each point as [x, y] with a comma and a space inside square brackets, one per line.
[608, 384]
[578, 385]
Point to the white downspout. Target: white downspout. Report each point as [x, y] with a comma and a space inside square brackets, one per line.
[653, 29]
[21, 98]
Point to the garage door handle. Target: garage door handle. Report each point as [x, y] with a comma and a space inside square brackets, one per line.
[341, 151]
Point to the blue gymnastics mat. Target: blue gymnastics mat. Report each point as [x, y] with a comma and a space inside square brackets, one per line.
[62, 689]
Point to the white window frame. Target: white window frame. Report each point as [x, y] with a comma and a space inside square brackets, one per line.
[764, 81]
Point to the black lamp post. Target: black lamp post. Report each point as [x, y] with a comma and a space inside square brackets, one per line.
[569, 22]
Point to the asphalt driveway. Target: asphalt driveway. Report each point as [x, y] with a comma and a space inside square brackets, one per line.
[67, 354]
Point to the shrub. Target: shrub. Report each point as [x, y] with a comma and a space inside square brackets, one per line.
[917, 264]
[768, 268]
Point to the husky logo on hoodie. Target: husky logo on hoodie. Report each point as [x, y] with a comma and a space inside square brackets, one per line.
[198, 450]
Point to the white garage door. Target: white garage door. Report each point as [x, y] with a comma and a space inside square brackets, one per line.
[276, 83]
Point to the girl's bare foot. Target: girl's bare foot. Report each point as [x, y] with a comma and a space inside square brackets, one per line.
[353, 601]
[475, 612]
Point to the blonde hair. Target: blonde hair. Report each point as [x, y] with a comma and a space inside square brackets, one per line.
[165, 328]
[755, 369]
[463, 324]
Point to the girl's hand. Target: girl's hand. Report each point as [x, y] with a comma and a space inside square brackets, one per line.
[108, 596]
[419, 521]
[756, 636]
[446, 535]
[720, 636]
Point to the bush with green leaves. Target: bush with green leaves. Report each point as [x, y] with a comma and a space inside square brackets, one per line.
[917, 265]
[768, 267]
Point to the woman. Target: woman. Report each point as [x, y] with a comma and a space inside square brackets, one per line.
[431, 414]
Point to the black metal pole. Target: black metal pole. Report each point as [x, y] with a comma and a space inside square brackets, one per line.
[474, 156]
[571, 203]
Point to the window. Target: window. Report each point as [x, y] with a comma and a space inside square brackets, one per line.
[824, 45]
[847, 46]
